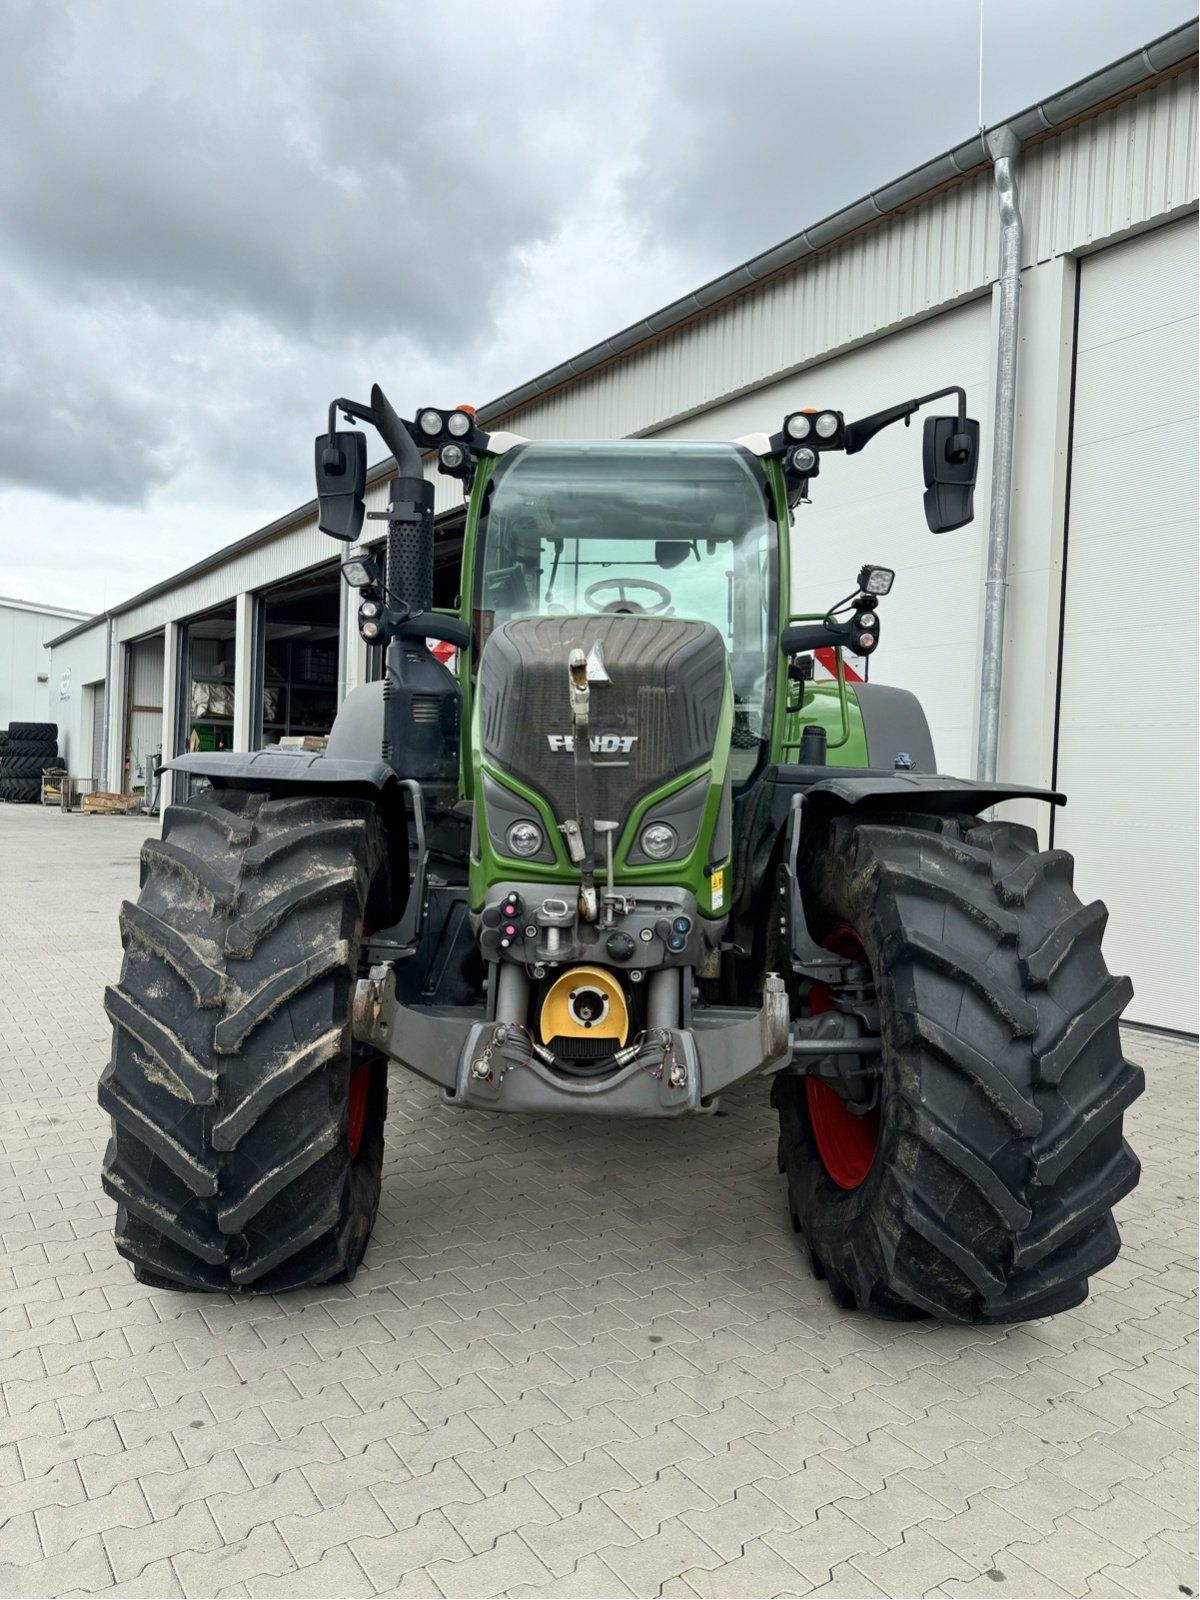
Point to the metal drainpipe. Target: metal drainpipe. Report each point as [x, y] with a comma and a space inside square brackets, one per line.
[1004, 147]
[102, 774]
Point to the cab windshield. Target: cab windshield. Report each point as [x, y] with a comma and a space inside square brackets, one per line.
[661, 529]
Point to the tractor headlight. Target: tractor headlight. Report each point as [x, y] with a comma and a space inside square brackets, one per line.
[827, 424]
[798, 426]
[452, 456]
[458, 423]
[866, 619]
[370, 630]
[804, 459]
[876, 580]
[524, 838]
[430, 423]
[369, 608]
[659, 841]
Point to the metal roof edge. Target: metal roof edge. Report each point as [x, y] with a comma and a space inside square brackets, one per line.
[1146, 62]
[1140, 65]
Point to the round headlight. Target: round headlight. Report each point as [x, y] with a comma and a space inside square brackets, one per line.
[827, 425]
[430, 422]
[459, 424]
[799, 426]
[659, 840]
[867, 619]
[369, 608]
[524, 838]
[370, 630]
[452, 456]
[804, 459]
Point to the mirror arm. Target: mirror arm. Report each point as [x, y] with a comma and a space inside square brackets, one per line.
[859, 434]
[352, 410]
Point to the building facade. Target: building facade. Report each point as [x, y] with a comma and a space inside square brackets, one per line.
[894, 297]
[28, 691]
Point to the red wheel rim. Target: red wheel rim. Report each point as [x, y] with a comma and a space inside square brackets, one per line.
[360, 1091]
[845, 1143]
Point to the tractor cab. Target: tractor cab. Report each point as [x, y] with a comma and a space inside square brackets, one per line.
[589, 529]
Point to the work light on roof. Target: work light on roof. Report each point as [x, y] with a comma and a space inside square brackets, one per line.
[458, 423]
[430, 423]
[798, 425]
[827, 424]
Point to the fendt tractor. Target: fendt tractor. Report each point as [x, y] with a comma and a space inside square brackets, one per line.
[624, 853]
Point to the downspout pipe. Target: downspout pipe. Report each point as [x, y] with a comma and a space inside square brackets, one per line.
[1004, 148]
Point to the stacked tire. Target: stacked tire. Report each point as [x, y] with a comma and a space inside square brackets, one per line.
[26, 750]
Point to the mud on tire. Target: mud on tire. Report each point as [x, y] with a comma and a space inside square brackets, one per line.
[1000, 1152]
[229, 1084]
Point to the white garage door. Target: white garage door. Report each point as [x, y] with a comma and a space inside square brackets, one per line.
[1128, 712]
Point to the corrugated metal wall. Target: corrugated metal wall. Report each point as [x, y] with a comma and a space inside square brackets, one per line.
[1116, 171]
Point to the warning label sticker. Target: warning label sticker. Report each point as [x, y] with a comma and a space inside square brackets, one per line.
[718, 889]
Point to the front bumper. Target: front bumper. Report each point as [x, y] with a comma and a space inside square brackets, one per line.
[490, 1066]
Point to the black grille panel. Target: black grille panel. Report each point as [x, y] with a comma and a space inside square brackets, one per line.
[666, 677]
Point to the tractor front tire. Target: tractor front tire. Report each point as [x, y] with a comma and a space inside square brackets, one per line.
[983, 1189]
[247, 1126]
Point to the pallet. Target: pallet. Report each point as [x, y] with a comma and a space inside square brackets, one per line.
[105, 803]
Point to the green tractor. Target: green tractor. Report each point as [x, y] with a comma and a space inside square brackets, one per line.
[626, 853]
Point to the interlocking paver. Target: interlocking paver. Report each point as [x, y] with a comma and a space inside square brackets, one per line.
[581, 1358]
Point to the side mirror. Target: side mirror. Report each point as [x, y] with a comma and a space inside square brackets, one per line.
[341, 467]
[951, 459]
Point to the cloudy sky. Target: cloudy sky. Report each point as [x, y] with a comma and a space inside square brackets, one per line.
[217, 214]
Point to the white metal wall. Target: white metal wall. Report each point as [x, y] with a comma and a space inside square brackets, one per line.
[869, 508]
[72, 666]
[27, 693]
[1116, 171]
[1128, 712]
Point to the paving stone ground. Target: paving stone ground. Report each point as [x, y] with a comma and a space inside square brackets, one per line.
[581, 1359]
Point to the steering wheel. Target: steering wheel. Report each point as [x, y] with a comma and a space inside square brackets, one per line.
[621, 603]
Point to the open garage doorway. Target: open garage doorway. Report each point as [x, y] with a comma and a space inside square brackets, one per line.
[143, 720]
[298, 650]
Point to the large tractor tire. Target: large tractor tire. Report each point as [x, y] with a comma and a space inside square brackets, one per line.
[247, 1126]
[981, 1187]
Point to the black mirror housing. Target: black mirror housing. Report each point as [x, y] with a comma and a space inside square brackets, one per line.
[951, 460]
[341, 470]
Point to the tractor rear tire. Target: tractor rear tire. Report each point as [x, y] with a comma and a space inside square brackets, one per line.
[40, 732]
[998, 1151]
[247, 1126]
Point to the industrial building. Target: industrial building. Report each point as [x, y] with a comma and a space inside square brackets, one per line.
[26, 629]
[895, 296]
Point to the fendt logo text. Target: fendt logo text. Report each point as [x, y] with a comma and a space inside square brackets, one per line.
[602, 744]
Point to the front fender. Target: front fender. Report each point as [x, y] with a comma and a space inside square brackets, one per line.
[273, 769]
[913, 791]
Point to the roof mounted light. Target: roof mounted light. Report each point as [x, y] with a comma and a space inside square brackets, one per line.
[430, 423]
[459, 424]
[798, 425]
[828, 425]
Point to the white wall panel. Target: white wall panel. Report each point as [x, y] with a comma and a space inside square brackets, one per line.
[868, 507]
[75, 665]
[1127, 729]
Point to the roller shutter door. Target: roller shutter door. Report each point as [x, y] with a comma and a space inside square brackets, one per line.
[1127, 754]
